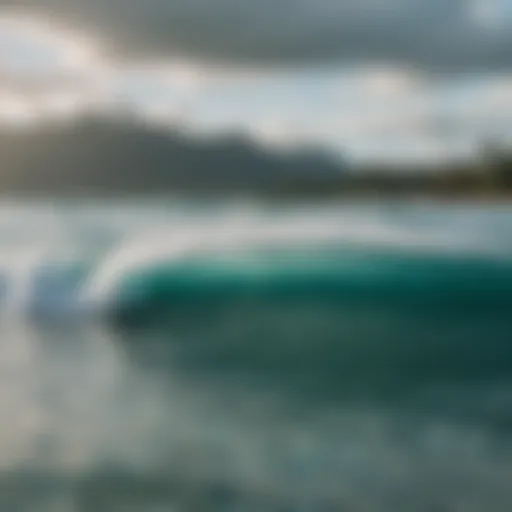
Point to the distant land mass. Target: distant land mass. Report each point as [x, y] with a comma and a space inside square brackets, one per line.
[96, 155]
[125, 156]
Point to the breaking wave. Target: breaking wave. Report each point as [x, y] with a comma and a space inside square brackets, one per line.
[343, 301]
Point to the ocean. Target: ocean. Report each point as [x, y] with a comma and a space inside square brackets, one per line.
[180, 355]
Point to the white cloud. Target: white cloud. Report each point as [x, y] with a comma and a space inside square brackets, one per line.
[387, 82]
[15, 110]
[46, 71]
[35, 50]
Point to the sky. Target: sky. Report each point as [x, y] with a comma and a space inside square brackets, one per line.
[373, 80]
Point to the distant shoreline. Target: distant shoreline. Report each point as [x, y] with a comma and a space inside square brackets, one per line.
[270, 197]
[94, 157]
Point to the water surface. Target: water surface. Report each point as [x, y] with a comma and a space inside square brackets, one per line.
[177, 356]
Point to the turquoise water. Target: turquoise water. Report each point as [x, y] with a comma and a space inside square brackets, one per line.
[183, 356]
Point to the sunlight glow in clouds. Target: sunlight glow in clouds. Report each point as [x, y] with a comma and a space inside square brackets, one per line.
[389, 82]
[46, 71]
[15, 110]
[35, 49]
[374, 110]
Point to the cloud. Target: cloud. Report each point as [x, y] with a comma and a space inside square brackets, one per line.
[489, 14]
[15, 110]
[46, 71]
[33, 51]
[444, 34]
[51, 72]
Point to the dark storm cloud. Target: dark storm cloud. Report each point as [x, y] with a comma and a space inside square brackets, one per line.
[438, 33]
